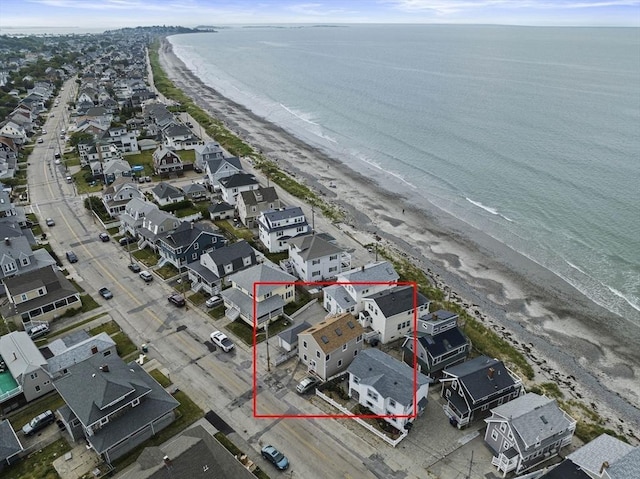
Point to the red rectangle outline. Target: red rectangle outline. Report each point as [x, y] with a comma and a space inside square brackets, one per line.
[335, 416]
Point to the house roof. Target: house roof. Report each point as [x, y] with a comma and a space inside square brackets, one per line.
[65, 355]
[333, 333]
[478, 379]
[443, 342]
[288, 212]
[237, 180]
[186, 233]
[379, 272]
[165, 191]
[390, 377]
[533, 418]
[20, 354]
[208, 148]
[603, 448]
[626, 466]
[192, 188]
[232, 254]
[290, 336]
[259, 195]
[566, 470]
[177, 130]
[246, 304]
[397, 300]
[57, 287]
[216, 163]
[340, 295]
[261, 273]
[220, 207]
[312, 247]
[194, 454]
[9, 442]
[92, 392]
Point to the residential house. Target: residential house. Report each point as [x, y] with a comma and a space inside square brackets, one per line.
[133, 214]
[211, 150]
[209, 273]
[266, 285]
[115, 169]
[116, 196]
[354, 285]
[186, 243]
[113, 405]
[597, 457]
[155, 224]
[327, 348]
[232, 186]
[14, 131]
[195, 192]
[29, 378]
[219, 167]
[38, 295]
[167, 162]
[10, 446]
[277, 227]
[194, 454]
[288, 339]
[17, 256]
[252, 203]
[472, 388]
[179, 137]
[165, 194]
[391, 313]
[75, 347]
[313, 258]
[440, 343]
[527, 431]
[387, 387]
[126, 141]
[221, 211]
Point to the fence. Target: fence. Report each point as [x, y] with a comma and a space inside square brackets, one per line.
[362, 422]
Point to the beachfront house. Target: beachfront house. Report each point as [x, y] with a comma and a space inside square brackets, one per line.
[219, 167]
[327, 348]
[209, 273]
[232, 186]
[354, 285]
[472, 388]
[607, 457]
[179, 137]
[266, 285]
[526, 432]
[313, 258]
[440, 343]
[252, 203]
[391, 312]
[386, 387]
[211, 150]
[277, 227]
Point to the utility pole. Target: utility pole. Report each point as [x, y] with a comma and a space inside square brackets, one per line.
[266, 332]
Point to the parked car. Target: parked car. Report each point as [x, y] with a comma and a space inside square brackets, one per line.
[125, 240]
[148, 277]
[50, 222]
[212, 301]
[222, 341]
[40, 140]
[104, 237]
[105, 293]
[147, 179]
[275, 457]
[307, 384]
[71, 256]
[37, 331]
[177, 299]
[134, 267]
[39, 422]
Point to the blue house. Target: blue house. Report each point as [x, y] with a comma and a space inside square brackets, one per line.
[187, 243]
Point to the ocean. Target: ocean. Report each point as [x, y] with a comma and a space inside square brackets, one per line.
[530, 134]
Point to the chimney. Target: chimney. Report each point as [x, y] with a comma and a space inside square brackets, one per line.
[94, 349]
[7, 240]
[362, 268]
[15, 358]
[104, 368]
[605, 465]
[490, 373]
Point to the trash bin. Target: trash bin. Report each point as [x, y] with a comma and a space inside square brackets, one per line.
[144, 348]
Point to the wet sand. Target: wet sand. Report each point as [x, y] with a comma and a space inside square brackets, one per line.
[590, 352]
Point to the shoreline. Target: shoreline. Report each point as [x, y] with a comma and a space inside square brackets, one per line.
[525, 303]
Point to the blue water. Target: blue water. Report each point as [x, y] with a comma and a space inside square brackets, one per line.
[530, 134]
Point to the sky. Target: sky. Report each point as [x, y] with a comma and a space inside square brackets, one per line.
[94, 15]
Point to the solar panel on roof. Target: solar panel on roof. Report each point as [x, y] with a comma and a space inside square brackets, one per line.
[350, 324]
[325, 340]
[338, 331]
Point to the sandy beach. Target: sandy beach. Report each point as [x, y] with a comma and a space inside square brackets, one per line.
[591, 353]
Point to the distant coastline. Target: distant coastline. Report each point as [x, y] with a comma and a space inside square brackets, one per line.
[505, 285]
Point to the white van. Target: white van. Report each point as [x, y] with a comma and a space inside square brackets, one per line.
[37, 331]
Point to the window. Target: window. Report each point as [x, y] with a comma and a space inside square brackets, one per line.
[304, 357]
[23, 297]
[359, 338]
[503, 427]
[344, 347]
[355, 379]
[372, 394]
[494, 435]
[392, 403]
[196, 246]
[355, 353]
[107, 353]
[333, 257]
[327, 357]
[315, 261]
[135, 402]
[280, 233]
[317, 354]
[37, 388]
[104, 421]
[304, 344]
[400, 326]
[339, 362]
[194, 256]
[315, 273]
[33, 375]
[333, 269]
[454, 385]
[299, 229]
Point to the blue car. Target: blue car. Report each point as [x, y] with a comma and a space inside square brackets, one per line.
[275, 457]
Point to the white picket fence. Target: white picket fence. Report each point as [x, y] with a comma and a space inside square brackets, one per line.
[362, 422]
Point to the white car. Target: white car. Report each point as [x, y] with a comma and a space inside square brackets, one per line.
[221, 340]
[213, 301]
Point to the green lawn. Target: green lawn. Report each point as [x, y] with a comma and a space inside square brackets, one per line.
[124, 345]
[146, 256]
[167, 271]
[51, 401]
[39, 465]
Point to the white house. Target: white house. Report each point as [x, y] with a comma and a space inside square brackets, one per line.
[386, 387]
[315, 259]
[391, 312]
[232, 186]
[276, 227]
[356, 284]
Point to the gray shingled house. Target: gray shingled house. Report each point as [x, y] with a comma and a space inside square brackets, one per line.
[527, 431]
[115, 406]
